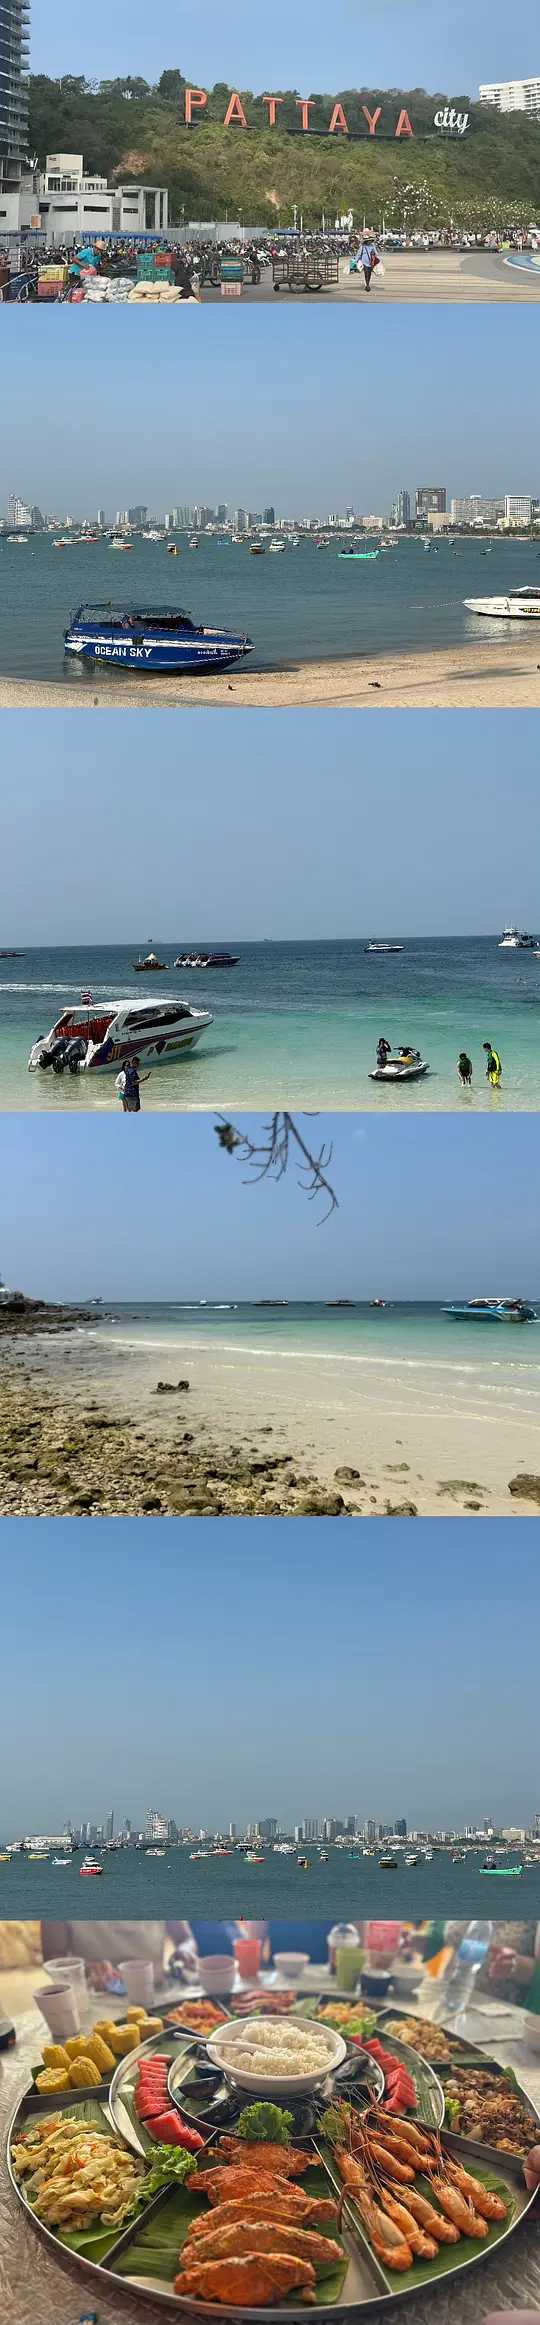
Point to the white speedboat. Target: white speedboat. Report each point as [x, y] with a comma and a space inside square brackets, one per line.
[515, 940]
[97, 1039]
[382, 945]
[408, 1066]
[521, 605]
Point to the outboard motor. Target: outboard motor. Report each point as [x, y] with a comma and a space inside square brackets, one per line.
[57, 1055]
[75, 1053]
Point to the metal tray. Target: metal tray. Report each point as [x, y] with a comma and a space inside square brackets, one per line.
[367, 2285]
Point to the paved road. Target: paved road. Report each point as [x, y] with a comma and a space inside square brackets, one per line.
[413, 276]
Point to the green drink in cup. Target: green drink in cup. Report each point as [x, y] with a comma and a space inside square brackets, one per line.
[349, 1961]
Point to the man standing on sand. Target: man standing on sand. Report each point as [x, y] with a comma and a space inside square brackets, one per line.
[128, 1085]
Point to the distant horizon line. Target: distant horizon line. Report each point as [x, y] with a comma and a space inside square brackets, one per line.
[106, 944]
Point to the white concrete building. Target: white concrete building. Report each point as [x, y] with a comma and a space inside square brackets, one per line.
[513, 96]
[518, 508]
[69, 203]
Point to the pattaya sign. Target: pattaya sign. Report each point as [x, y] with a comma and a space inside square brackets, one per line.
[196, 100]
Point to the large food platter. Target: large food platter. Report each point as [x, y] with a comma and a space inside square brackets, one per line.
[144, 2254]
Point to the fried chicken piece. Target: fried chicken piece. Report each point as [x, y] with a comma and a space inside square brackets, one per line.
[290, 2205]
[249, 2238]
[251, 2283]
[267, 2156]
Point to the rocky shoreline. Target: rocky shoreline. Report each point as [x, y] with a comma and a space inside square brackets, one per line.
[19, 1316]
[59, 1458]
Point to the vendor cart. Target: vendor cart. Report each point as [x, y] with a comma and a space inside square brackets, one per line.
[306, 270]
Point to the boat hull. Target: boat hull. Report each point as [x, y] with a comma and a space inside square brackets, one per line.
[157, 1052]
[209, 650]
[504, 609]
[399, 1073]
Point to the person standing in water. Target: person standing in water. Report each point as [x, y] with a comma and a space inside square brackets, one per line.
[465, 1069]
[493, 1065]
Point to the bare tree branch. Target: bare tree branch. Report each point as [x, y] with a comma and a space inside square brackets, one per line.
[269, 1156]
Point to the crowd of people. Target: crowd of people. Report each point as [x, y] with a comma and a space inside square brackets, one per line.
[196, 261]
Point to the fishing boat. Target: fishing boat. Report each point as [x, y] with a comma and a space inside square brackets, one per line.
[382, 945]
[521, 605]
[490, 1311]
[407, 1066]
[150, 962]
[502, 1872]
[412, 1860]
[360, 556]
[207, 961]
[151, 638]
[388, 1864]
[100, 1040]
[516, 940]
[257, 549]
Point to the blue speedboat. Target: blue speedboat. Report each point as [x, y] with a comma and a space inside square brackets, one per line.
[151, 638]
[491, 1311]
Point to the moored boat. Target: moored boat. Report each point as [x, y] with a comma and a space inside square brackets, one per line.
[206, 961]
[490, 1311]
[99, 1040]
[147, 966]
[521, 605]
[151, 638]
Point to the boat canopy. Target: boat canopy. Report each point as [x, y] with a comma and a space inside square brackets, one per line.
[168, 617]
[524, 593]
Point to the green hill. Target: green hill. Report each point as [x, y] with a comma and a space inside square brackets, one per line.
[490, 176]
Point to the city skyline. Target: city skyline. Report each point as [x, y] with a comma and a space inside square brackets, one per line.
[285, 410]
[425, 504]
[169, 1688]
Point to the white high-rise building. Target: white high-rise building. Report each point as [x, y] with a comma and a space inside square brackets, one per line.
[518, 508]
[513, 96]
[19, 516]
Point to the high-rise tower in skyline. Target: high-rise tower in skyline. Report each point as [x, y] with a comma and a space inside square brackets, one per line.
[14, 57]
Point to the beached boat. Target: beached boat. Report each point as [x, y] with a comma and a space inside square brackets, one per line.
[490, 1311]
[521, 605]
[100, 1040]
[408, 1066]
[151, 638]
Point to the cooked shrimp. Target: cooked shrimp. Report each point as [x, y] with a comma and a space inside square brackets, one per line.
[424, 2247]
[390, 2163]
[433, 2221]
[458, 2208]
[388, 2242]
[485, 2201]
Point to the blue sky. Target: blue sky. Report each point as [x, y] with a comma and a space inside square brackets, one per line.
[394, 43]
[265, 405]
[442, 1600]
[211, 856]
[155, 1210]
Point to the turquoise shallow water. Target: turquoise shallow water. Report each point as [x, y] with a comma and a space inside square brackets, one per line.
[308, 605]
[295, 1024]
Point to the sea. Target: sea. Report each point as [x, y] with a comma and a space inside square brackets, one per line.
[295, 1024]
[348, 1887]
[309, 605]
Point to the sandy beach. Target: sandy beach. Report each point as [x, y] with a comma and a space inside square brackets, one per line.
[484, 676]
[84, 1431]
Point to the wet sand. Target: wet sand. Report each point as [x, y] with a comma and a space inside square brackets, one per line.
[83, 1431]
[489, 675]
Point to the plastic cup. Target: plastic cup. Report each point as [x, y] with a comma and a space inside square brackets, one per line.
[59, 2008]
[138, 1978]
[349, 1960]
[247, 1954]
[68, 1968]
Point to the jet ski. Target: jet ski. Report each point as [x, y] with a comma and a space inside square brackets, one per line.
[406, 1065]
